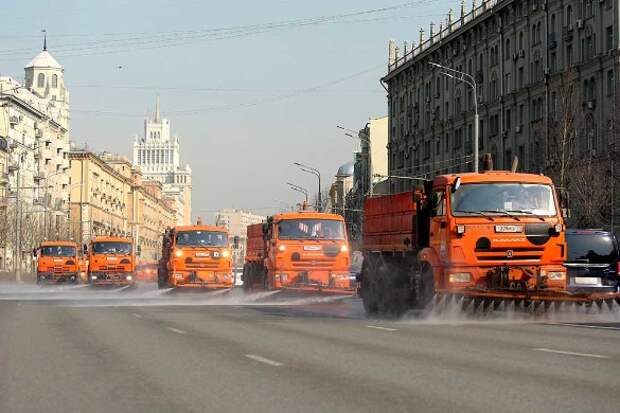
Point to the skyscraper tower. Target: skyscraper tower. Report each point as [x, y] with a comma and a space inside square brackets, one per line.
[158, 156]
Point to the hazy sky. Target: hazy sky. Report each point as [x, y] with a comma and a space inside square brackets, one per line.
[246, 102]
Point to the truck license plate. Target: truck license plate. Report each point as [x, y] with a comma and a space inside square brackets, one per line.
[312, 247]
[586, 280]
[508, 228]
[202, 254]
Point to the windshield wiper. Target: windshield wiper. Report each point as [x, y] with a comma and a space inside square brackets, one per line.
[503, 211]
[522, 211]
[482, 213]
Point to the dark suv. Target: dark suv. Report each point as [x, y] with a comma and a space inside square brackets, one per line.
[593, 261]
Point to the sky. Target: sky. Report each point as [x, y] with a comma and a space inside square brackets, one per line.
[249, 87]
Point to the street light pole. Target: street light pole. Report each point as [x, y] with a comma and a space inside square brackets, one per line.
[315, 172]
[299, 189]
[471, 82]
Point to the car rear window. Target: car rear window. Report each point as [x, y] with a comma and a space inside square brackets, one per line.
[591, 248]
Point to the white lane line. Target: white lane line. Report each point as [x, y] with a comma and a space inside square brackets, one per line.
[571, 353]
[176, 330]
[264, 360]
[382, 328]
[136, 315]
[584, 326]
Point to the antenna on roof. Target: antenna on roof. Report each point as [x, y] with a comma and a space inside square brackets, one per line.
[44, 31]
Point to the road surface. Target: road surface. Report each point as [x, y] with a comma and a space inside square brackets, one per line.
[77, 350]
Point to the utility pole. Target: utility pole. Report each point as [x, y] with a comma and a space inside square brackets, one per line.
[315, 172]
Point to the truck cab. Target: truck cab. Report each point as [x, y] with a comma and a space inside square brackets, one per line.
[495, 230]
[111, 261]
[196, 256]
[303, 251]
[58, 262]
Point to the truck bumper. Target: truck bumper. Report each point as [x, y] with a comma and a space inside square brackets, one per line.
[57, 278]
[118, 279]
[531, 295]
[208, 280]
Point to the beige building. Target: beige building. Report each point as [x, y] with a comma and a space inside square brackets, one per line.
[109, 197]
[4, 180]
[237, 222]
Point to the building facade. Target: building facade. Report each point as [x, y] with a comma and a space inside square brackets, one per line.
[158, 155]
[35, 124]
[237, 222]
[109, 197]
[4, 180]
[524, 56]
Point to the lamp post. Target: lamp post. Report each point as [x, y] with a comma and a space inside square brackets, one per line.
[315, 172]
[471, 82]
[299, 189]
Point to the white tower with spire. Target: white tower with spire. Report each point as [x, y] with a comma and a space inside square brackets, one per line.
[158, 155]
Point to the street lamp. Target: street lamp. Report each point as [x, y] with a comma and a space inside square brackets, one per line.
[315, 172]
[471, 82]
[299, 189]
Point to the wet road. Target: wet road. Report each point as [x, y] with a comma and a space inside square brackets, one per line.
[75, 349]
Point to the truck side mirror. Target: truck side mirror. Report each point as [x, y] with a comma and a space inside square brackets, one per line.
[139, 250]
[85, 249]
[34, 253]
[236, 242]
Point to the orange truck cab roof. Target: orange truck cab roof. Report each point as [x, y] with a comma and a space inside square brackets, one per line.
[58, 243]
[491, 176]
[307, 215]
[110, 239]
[211, 228]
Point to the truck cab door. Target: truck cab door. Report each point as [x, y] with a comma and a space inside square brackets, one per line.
[438, 234]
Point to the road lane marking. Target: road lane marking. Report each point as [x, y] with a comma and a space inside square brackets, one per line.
[382, 328]
[176, 330]
[264, 360]
[136, 315]
[584, 326]
[571, 353]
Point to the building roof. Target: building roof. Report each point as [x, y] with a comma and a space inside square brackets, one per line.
[346, 169]
[44, 59]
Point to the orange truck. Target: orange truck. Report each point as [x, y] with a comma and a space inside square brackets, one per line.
[58, 262]
[111, 261]
[300, 251]
[482, 238]
[196, 256]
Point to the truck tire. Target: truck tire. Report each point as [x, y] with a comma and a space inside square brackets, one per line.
[393, 287]
[162, 278]
[423, 286]
[368, 290]
[248, 270]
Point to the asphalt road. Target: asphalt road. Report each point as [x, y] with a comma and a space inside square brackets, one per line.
[77, 350]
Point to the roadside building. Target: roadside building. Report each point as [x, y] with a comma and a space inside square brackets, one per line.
[35, 116]
[535, 63]
[109, 197]
[237, 222]
[158, 155]
[341, 187]
[4, 180]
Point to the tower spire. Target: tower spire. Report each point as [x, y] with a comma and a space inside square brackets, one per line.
[44, 40]
[157, 111]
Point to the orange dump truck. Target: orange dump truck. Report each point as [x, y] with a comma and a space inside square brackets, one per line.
[485, 238]
[58, 262]
[302, 251]
[195, 256]
[111, 261]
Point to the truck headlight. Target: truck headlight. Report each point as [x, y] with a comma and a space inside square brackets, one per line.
[225, 253]
[460, 229]
[344, 248]
[178, 253]
[129, 278]
[556, 275]
[94, 277]
[281, 247]
[459, 277]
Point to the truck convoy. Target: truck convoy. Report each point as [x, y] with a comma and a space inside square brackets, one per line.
[301, 251]
[483, 238]
[195, 256]
[111, 261]
[58, 262]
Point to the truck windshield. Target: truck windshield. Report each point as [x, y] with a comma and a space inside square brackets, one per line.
[594, 248]
[57, 251]
[202, 239]
[112, 248]
[503, 199]
[310, 229]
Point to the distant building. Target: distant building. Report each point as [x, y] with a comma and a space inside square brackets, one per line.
[340, 188]
[237, 222]
[158, 156]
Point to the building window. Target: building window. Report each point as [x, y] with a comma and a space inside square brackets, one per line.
[569, 56]
[520, 40]
[588, 9]
[507, 120]
[552, 24]
[521, 78]
[569, 15]
[521, 114]
[610, 82]
[553, 62]
[41, 80]
[507, 53]
[54, 80]
[609, 43]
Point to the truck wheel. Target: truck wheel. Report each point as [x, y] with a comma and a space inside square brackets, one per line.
[423, 286]
[393, 287]
[248, 270]
[368, 290]
[162, 279]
